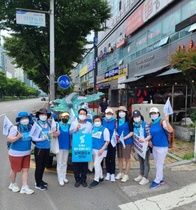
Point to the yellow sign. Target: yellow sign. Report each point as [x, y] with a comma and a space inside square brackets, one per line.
[83, 71]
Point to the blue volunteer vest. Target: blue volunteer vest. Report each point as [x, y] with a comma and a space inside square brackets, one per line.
[46, 143]
[64, 137]
[98, 138]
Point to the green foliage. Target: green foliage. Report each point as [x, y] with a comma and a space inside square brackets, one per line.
[29, 46]
[193, 115]
[188, 156]
[13, 87]
[185, 60]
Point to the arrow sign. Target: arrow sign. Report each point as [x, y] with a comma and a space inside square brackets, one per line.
[64, 81]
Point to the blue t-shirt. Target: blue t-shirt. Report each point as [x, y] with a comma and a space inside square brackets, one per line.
[159, 135]
[64, 137]
[110, 125]
[124, 128]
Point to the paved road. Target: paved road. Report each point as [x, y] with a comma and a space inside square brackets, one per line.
[106, 196]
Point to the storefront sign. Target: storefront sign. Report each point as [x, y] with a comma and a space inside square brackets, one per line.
[111, 73]
[147, 10]
[121, 43]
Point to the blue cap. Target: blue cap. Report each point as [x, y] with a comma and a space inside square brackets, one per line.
[22, 114]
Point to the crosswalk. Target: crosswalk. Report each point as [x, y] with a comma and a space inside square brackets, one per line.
[174, 199]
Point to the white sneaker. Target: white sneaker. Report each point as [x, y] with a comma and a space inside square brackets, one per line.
[138, 179]
[26, 190]
[119, 176]
[65, 180]
[61, 183]
[107, 178]
[125, 178]
[14, 187]
[112, 179]
[144, 181]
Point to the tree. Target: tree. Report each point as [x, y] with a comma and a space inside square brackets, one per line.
[185, 60]
[3, 84]
[29, 46]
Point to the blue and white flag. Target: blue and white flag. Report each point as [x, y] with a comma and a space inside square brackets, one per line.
[167, 109]
[7, 124]
[53, 125]
[122, 139]
[73, 118]
[35, 131]
[114, 139]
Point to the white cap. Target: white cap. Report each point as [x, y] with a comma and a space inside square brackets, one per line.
[154, 109]
[109, 110]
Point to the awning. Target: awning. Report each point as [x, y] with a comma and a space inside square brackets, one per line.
[193, 27]
[150, 71]
[170, 71]
[132, 79]
[164, 41]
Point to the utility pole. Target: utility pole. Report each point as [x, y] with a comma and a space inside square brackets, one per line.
[52, 53]
[95, 59]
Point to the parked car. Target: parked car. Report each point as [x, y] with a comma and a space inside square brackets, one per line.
[43, 99]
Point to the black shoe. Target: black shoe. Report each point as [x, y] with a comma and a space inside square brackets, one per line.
[77, 184]
[93, 184]
[100, 179]
[44, 183]
[84, 184]
[40, 187]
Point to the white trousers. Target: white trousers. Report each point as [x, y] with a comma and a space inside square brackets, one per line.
[62, 158]
[97, 164]
[159, 154]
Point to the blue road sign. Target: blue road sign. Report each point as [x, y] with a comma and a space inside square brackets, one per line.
[64, 81]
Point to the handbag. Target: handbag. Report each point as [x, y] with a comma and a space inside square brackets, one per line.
[54, 146]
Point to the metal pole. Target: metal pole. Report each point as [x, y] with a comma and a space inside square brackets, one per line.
[95, 59]
[95, 64]
[52, 52]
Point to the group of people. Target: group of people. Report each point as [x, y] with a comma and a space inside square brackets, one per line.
[103, 129]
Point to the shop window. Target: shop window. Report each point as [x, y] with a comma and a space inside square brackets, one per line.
[133, 56]
[184, 32]
[174, 37]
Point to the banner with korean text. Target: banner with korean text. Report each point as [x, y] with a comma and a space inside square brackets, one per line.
[82, 147]
[140, 148]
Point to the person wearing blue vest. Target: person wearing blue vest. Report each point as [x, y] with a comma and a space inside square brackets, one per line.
[42, 147]
[160, 143]
[109, 121]
[64, 146]
[142, 130]
[101, 139]
[20, 151]
[125, 133]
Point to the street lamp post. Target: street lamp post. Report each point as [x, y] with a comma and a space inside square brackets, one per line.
[52, 52]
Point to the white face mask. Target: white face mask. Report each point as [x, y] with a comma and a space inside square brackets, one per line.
[122, 114]
[43, 117]
[108, 117]
[97, 124]
[82, 117]
[137, 119]
[154, 116]
[24, 121]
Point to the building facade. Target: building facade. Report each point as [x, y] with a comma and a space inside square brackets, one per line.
[134, 52]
